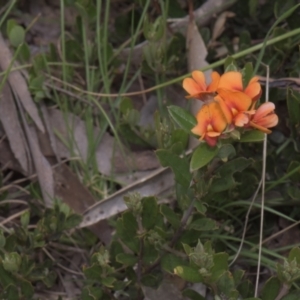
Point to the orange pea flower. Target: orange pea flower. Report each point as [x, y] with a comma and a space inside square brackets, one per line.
[264, 117]
[197, 86]
[235, 106]
[211, 123]
[233, 81]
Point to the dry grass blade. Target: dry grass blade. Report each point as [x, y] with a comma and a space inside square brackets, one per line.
[19, 85]
[14, 132]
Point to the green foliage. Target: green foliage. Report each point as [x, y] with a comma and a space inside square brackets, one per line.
[195, 234]
[19, 270]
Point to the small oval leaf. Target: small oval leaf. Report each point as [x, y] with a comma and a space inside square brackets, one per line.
[182, 117]
[202, 156]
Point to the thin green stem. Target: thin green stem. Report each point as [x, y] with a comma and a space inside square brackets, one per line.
[63, 40]
[7, 11]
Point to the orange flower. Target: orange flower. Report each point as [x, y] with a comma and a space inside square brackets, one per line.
[233, 81]
[235, 106]
[264, 117]
[211, 123]
[197, 87]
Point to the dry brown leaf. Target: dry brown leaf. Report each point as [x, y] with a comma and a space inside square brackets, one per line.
[49, 129]
[19, 85]
[10, 121]
[42, 166]
[219, 26]
[156, 183]
[7, 159]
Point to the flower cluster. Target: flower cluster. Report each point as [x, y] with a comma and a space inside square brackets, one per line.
[228, 105]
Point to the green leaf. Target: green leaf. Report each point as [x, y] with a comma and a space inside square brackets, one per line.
[50, 279]
[170, 215]
[247, 73]
[226, 152]
[170, 261]
[125, 105]
[11, 292]
[129, 222]
[2, 239]
[293, 105]
[150, 254]
[25, 217]
[295, 295]
[182, 117]
[226, 285]
[220, 265]
[108, 281]
[179, 141]
[12, 262]
[6, 278]
[152, 280]
[246, 289]
[271, 289]
[236, 165]
[222, 184]
[230, 64]
[179, 166]
[10, 24]
[149, 212]
[72, 221]
[252, 136]
[294, 254]
[191, 294]
[202, 155]
[126, 259]
[203, 224]
[127, 230]
[91, 293]
[188, 273]
[201, 208]
[238, 275]
[93, 272]
[16, 35]
[26, 288]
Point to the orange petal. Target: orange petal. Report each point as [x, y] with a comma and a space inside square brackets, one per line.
[268, 121]
[191, 86]
[235, 99]
[213, 134]
[215, 78]
[241, 120]
[199, 77]
[263, 110]
[231, 81]
[253, 89]
[225, 109]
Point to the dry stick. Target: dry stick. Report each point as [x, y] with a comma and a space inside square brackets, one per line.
[262, 195]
